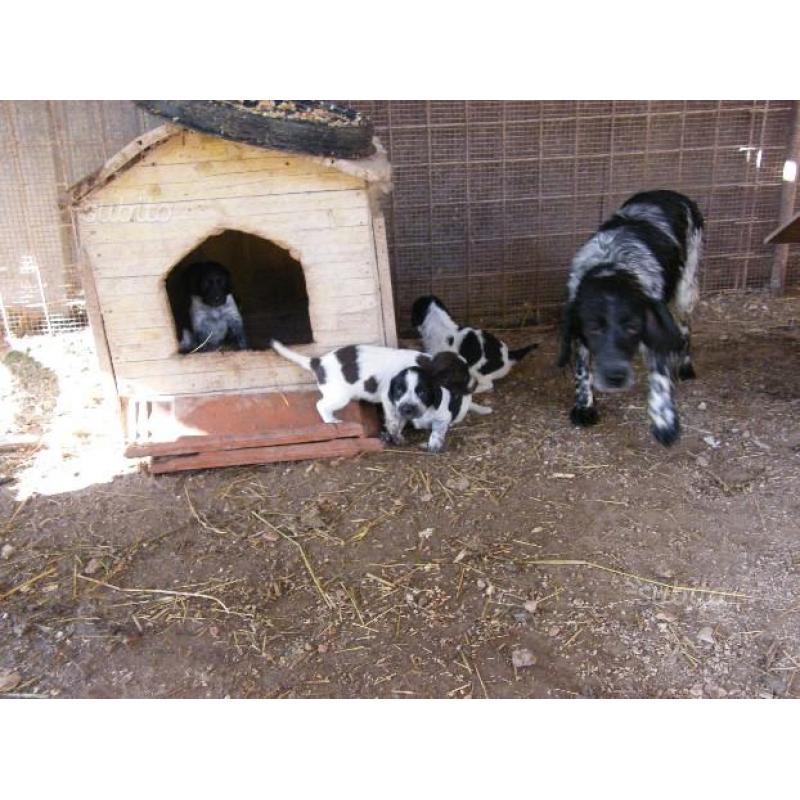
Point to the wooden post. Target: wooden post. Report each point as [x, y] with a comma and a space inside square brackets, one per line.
[788, 196]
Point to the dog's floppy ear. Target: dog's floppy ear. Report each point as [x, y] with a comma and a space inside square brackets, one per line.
[568, 333]
[450, 371]
[421, 306]
[661, 334]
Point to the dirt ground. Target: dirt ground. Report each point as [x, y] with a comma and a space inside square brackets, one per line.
[531, 559]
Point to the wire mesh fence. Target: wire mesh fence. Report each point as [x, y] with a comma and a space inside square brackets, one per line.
[491, 198]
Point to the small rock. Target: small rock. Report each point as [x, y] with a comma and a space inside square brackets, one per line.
[665, 572]
[480, 583]
[458, 484]
[666, 616]
[522, 657]
[706, 634]
[9, 680]
[92, 567]
[531, 606]
[701, 406]
[311, 516]
[702, 461]
[554, 631]
[7, 551]
[776, 684]
[712, 442]
[426, 534]
[425, 497]
[322, 648]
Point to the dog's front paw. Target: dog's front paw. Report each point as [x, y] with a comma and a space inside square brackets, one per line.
[434, 447]
[395, 439]
[584, 415]
[668, 434]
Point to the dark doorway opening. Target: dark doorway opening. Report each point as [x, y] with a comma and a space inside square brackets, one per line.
[268, 284]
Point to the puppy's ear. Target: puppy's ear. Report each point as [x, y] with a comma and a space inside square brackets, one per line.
[420, 310]
[450, 371]
[569, 325]
[661, 334]
[195, 273]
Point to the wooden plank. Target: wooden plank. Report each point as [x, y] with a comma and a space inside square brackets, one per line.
[320, 244]
[152, 171]
[97, 325]
[160, 340]
[384, 275]
[245, 184]
[336, 448]
[205, 444]
[787, 233]
[359, 260]
[103, 243]
[189, 147]
[298, 203]
[196, 424]
[207, 383]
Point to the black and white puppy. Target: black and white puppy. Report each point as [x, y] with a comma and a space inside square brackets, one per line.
[433, 395]
[489, 359]
[213, 313]
[624, 285]
[424, 389]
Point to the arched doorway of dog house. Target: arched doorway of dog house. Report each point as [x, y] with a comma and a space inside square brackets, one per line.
[269, 288]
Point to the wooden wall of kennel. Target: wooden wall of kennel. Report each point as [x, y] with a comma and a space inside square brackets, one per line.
[169, 191]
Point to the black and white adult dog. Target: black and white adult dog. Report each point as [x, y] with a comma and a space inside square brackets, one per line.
[427, 391]
[489, 359]
[621, 285]
[213, 313]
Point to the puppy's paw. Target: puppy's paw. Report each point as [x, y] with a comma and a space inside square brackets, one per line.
[667, 435]
[686, 372]
[388, 438]
[434, 447]
[584, 416]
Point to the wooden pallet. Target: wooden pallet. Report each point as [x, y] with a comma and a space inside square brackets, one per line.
[223, 430]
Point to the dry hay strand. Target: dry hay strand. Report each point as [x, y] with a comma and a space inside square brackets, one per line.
[567, 562]
[322, 593]
[362, 532]
[203, 522]
[165, 592]
[28, 583]
[11, 519]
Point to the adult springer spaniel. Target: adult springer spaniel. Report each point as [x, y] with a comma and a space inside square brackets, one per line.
[624, 286]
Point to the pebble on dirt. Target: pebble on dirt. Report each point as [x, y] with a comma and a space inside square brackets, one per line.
[522, 657]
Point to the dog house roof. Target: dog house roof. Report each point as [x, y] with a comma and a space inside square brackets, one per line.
[375, 170]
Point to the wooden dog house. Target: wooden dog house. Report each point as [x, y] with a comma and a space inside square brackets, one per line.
[304, 240]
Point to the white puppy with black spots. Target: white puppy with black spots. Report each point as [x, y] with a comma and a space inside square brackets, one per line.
[427, 391]
[489, 359]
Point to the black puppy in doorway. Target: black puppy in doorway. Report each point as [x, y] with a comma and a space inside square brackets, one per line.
[213, 313]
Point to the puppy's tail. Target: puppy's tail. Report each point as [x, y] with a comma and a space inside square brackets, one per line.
[297, 358]
[518, 355]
